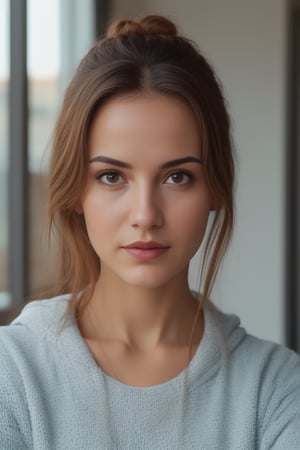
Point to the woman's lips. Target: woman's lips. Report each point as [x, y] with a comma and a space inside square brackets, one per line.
[145, 250]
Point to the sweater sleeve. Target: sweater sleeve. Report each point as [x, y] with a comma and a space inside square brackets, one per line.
[13, 407]
[281, 425]
[10, 435]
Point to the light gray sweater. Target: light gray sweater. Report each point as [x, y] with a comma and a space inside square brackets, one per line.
[53, 395]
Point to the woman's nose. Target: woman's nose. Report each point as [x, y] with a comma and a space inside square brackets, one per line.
[146, 209]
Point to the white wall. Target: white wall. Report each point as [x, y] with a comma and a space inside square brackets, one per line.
[246, 43]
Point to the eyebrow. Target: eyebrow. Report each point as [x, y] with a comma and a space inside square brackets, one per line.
[166, 165]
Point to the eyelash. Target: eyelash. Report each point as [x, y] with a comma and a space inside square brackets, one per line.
[102, 174]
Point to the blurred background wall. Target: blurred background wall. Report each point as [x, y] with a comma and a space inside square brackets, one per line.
[247, 43]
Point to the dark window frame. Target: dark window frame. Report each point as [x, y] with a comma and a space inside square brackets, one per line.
[293, 183]
[18, 151]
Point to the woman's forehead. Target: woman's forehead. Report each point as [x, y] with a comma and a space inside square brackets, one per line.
[155, 123]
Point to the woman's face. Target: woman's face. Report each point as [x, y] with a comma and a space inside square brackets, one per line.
[146, 189]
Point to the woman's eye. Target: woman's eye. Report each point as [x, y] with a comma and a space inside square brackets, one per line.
[179, 178]
[110, 178]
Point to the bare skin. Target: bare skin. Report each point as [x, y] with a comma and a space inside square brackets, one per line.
[143, 364]
[139, 320]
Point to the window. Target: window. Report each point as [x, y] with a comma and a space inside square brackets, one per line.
[43, 68]
[49, 32]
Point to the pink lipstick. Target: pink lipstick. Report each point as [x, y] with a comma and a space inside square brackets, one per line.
[145, 250]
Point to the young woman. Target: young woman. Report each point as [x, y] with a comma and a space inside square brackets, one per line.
[126, 356]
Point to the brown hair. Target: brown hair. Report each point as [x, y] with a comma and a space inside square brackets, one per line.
[136, 56]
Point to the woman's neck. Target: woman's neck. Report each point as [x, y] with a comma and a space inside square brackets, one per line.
[142, 319]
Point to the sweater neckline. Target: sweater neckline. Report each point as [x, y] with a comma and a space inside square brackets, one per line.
[205, 360]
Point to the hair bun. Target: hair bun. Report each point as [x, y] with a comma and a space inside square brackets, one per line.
[158, 25]
[148, 25]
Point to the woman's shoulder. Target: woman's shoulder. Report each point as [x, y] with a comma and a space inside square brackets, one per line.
[39, 310]
[263, 374]
[27, 355]
[251, 356]
[269, 365]
[35, 325]
[239, 341]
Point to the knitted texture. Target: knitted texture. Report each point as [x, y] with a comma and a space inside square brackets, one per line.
[53, 395]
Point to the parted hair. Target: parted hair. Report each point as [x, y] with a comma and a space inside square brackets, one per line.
[143, 56]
